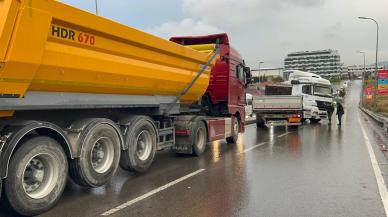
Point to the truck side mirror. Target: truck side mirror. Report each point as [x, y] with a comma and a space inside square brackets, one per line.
[248, 76]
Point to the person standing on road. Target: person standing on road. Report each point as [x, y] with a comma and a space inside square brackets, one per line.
[330, 111]
[340, 112]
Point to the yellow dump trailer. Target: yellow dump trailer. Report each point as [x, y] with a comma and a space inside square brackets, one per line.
[81, 95]
[50, 47]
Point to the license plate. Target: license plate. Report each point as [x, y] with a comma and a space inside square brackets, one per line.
[294, 120]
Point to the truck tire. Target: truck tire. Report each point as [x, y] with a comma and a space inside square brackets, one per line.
[235, 131]
[314, 121]
[199, 138]
[36, 177]
[99, 158]
[141, 139]
[260, 123]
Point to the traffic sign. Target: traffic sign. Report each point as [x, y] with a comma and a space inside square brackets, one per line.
[382, 74]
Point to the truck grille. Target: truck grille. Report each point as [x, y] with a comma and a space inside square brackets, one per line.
[323, 105]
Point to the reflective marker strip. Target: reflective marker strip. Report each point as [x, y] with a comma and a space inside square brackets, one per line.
[376, 169]
[144, 196]
[228, 127]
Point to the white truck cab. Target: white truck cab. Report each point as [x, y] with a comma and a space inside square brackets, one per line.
[317, 93]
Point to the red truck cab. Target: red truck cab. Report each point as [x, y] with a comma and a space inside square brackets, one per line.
[225, 95]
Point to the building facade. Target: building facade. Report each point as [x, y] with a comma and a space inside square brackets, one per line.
[268, 72]
[326, 63]
[357, 70]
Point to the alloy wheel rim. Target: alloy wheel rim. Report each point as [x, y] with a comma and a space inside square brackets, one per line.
[143, 145]
[200, 138]
[40, 175]
[102, 155]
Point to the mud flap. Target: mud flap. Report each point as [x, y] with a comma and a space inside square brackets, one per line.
[182, 147]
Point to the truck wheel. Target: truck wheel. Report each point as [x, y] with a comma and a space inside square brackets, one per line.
[199, 138]
[36, 177]
[141, 139]
[234, 137]
[314, 121]
[260, 123]
[99, 159]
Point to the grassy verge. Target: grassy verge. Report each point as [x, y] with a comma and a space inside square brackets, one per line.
[381, 106]
[335, 81]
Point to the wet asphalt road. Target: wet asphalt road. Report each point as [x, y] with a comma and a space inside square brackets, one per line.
[314, 171]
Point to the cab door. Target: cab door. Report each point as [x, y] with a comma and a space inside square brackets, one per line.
[240, 84]
[307, 93]
[236, 96]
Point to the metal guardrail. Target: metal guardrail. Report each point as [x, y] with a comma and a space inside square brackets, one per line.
[382, 120]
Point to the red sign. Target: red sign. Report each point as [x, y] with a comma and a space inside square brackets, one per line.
[382, 74]
[368, 92]
[382, 92]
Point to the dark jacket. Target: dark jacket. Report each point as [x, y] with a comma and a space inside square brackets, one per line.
[340, 109]
[330, 109]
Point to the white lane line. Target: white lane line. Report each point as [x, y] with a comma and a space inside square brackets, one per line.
[253, 147]
[379, 177]
[144, 196]
[284, 134]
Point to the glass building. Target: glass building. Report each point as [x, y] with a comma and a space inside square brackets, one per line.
[322, 62]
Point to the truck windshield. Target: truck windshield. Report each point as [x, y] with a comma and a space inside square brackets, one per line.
[322, 91]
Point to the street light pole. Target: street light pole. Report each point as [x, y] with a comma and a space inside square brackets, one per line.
[259, 67]
[363, 77]
[96, 3]
[376, 67]
[364, 73]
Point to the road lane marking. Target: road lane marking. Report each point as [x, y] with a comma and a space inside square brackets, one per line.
[284, 134]
[253, 147]
[144, 196]
[157, 190]
[376, 169]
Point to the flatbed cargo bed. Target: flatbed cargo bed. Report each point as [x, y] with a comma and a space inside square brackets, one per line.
[278, 110]
[276, 103]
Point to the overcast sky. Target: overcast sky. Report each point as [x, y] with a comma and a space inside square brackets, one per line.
[262, 30]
